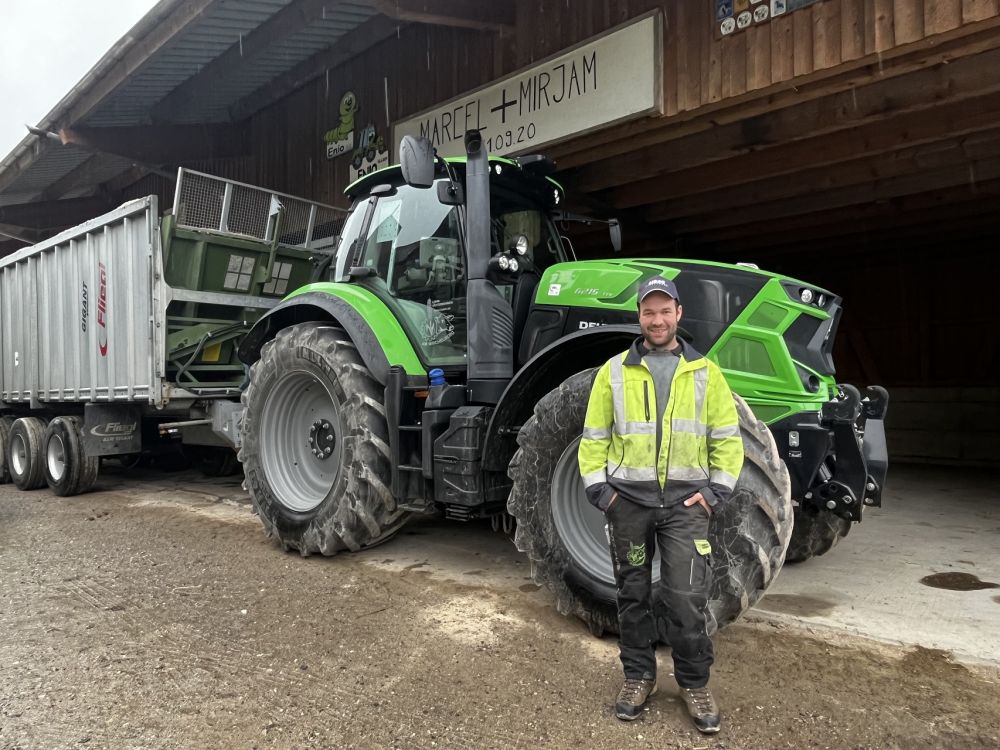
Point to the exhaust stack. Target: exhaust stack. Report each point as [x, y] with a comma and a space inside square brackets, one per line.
[491, 320]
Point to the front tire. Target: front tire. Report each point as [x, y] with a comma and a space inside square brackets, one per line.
[564, 537]
[315, 444]
[815, 533]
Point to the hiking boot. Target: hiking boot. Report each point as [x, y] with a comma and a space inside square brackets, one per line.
[632, 697]
[702, 708]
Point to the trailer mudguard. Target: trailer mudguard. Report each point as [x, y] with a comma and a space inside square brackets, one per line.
[567, 356]
[356, 310]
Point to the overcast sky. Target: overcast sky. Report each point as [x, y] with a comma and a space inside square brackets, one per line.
[46, 47]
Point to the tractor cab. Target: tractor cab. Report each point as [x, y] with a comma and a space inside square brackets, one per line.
[406, 243]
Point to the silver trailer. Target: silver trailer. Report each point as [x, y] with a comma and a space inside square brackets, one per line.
[124, 329]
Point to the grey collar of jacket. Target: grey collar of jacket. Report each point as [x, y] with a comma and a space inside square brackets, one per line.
[638, 350]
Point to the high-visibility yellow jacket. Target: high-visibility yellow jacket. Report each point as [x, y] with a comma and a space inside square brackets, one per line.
[700, 449]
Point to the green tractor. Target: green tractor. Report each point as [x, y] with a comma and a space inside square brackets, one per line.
[441, 362]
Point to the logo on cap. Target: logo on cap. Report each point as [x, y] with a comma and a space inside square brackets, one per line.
[657, 284]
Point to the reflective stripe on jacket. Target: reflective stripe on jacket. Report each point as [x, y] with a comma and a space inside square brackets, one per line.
[700, 451]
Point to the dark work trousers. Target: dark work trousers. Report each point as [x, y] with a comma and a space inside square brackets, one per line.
[635, 533]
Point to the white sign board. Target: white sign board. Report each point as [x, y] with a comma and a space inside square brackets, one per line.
[607, 79]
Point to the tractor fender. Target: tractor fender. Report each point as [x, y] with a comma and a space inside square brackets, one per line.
[356, 315]
[569, 355]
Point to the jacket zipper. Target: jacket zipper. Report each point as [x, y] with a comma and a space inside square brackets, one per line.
[645, 396]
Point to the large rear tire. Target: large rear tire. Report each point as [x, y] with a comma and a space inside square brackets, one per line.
[564, 537]
[315, 444]
[815, 533]
[25, 459]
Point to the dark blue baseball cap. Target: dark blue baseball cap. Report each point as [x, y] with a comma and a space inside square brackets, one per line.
[656, 284]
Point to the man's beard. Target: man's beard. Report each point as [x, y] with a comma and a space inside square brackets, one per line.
[666, 338]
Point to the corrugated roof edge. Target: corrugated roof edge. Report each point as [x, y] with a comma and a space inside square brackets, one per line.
[23, 151]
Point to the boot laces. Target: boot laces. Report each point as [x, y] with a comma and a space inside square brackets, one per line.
[631, 690]
[700, 698]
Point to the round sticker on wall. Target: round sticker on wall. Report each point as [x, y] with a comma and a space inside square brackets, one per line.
[728, 26]
[760, 13]
[743, 19]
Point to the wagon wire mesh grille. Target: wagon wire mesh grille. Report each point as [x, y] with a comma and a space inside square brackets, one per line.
[205, 202]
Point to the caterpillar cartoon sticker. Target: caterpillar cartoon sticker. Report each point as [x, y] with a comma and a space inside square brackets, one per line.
[340, 140]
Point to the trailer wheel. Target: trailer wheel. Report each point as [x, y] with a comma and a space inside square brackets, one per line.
[315, 444]
[565, 539]
[67, 467]
[816, 532]
[5, 425]
[25, 458]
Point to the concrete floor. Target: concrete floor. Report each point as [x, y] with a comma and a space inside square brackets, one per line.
[933, 520]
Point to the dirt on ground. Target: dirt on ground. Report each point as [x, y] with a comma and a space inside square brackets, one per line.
[156, 615]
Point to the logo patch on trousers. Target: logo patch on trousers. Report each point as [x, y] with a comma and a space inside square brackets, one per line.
[703, 547]
[636, 554]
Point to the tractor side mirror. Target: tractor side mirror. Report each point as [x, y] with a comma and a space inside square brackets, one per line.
[616, 234]
[416, 159]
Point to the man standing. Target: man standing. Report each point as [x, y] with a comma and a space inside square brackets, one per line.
[661, 448]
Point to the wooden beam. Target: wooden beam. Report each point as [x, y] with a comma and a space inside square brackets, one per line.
[970, 174]
[853, 172]
[890, 225]
[295, 16]
[46, 214]
[376, 29]
[163, 144]
[949, 119]
[20, 234]
[182, 18]
[946, 48]
[77, 177]
[876, 102]
[496, 15]
[806, 223]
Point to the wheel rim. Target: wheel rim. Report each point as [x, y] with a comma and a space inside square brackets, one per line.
[299, 417]
[579, 524]
[55, 457]
[19, 455]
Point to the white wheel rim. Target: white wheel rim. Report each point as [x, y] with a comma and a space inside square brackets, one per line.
[19, 455]
[55, 457]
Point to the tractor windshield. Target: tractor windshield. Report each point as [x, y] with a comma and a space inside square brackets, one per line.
[414, 246]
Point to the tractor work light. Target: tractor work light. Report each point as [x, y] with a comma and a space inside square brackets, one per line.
[806, 295]
[503, 262]
[513, 265]
[521, 245]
